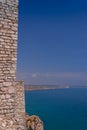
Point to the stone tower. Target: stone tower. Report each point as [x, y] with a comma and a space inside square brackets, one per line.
[12, 111]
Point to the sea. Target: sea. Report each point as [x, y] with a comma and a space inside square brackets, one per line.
[59, 109]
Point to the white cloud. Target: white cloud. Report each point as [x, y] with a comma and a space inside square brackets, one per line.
[34, 75]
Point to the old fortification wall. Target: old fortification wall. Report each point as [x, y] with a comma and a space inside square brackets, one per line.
[12, 111]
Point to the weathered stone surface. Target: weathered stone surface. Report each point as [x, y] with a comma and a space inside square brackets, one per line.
[34, 123]
[11, 113]
[8, 52]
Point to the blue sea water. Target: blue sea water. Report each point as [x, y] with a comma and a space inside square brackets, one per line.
[62, 109]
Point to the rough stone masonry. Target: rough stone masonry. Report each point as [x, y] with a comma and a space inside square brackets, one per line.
[12, 107]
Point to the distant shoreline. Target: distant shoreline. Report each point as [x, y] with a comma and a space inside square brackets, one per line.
[49, 87]
[34, 88]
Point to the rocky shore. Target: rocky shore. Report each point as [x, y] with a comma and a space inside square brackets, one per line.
[33, 123]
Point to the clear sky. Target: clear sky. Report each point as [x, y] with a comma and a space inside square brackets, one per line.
[52, 44]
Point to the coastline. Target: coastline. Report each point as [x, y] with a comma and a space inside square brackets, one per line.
[35, 88]
[49, 87]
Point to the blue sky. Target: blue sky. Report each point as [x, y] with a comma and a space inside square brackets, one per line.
[52, 44]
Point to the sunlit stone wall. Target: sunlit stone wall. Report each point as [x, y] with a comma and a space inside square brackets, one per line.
[8, 58]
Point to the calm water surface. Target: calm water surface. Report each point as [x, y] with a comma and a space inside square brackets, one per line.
[63, 109]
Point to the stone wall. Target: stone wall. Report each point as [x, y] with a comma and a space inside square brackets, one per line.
[11, 92]
[20, 105]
